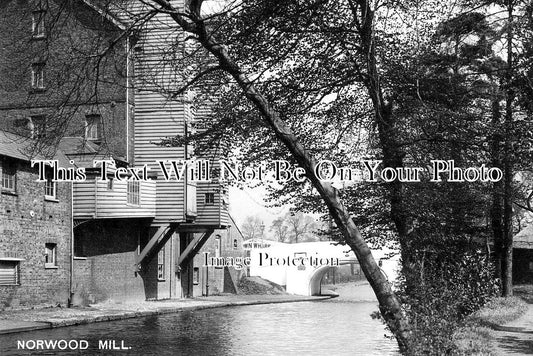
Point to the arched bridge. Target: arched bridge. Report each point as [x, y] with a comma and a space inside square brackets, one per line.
[301, 267]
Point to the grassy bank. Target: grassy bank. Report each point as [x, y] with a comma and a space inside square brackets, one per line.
[476, 337]
[524, 291]
[258, 285]
[500, 311]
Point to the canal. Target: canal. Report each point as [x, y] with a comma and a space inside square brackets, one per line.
[340, 326]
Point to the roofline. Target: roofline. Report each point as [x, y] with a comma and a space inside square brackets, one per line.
[36, 155]
[105, 14]
[16, 158]
[23, 138]
[235, 224]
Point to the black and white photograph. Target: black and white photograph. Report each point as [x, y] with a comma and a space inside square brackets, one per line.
[266, 177]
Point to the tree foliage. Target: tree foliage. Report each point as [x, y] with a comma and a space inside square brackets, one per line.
[252, 227]
[349, 80]
[295, 227]
[359, 80]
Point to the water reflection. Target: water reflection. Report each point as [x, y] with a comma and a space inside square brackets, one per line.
[330, 327]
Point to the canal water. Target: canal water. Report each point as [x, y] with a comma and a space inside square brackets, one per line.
[340, 326]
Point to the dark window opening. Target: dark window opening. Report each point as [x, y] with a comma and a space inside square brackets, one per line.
[93, 127]
[50, 186]
[196, 275]
[37, 126]
[161, 265]
[133, 193]
[37, 76]
[9, 175]
[209, 198]
[9, 273]
[79, 248]
[50, 255]
[38, 24]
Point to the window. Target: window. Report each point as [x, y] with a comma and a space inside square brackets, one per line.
[355, 269]
[161, 265]
[218, 249]
[133, 192]
[50, 260]
[110, 184]
[37, 76]
[235, 244]
[209, 198]
[37, 126]
[218, 245]
[9, 273]
[191, 199]
[93, 127]
[38, 29]
[196, 275]
[79, 247]
[9, 175]
[50, 187]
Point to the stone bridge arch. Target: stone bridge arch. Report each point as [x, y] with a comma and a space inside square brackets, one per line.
[276, 263]
[316, 278]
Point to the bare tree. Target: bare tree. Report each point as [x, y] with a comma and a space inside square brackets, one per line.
[252, 227]
[280, 229]
[294, 227]
[301, 226]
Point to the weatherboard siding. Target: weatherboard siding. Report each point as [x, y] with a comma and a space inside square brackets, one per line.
[157, 117]
[93, 200]
[216, 213]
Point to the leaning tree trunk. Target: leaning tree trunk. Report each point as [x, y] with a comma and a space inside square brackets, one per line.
[389, 304]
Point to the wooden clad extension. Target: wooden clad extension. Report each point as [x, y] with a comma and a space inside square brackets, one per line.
[215, 211]
[94, 199]
[212, 197]
[161, 113]
[157, 116]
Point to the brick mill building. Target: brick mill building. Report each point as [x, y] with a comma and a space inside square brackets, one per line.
[35, 230]
[74, 78]
[209, 280]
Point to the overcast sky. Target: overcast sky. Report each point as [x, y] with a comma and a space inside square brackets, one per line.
[248, 201]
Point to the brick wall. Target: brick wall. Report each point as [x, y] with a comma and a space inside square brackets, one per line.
[74, 34]
[27, 223]
[218, 277]
[107, 269]
[72, 85]
[113, 116]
